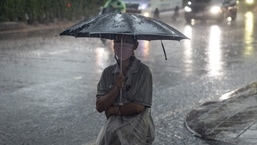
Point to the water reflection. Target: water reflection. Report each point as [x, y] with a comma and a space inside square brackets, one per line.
[214, 52]
[248, 39]
[101, 56]
[187, 57]
[143, 49]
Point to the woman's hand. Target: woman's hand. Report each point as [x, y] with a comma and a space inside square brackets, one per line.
[119, 81]
[113, 110]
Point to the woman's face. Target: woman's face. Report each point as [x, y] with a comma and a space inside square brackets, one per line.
[123, 50]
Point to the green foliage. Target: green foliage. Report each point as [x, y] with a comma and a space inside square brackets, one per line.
[45, 11]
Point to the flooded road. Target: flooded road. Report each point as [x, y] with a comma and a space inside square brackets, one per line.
[48, 82]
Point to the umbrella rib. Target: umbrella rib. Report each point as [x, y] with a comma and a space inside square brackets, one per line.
[96, 22]
[168, 28]
[78, 27]
[130, 24]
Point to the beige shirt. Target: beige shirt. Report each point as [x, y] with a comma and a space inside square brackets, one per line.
[138, 84]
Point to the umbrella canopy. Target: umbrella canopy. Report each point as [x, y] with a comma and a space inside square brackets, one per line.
[110, 25]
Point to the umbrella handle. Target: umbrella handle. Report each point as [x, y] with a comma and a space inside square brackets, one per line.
[120, 103]
[121, 55]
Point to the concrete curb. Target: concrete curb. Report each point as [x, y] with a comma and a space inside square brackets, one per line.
[232, 120]
[5, 26]
[16, 27]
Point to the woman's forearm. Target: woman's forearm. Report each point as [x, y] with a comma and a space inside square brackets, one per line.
[126, 109]
[105, 102]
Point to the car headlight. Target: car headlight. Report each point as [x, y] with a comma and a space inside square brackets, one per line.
[249, 2]
[215, 9]
[187, 9]
[146, 14]
[142, 6]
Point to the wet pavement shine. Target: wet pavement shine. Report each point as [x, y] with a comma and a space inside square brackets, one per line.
[232, 120]
[48, 85]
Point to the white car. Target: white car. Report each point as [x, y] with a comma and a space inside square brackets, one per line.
[218, 10]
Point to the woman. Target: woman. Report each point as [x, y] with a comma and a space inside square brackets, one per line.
[125, 95]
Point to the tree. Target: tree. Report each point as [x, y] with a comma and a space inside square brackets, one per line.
[45, 11]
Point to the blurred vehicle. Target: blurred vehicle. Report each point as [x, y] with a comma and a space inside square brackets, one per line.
[138, 6]
[218, 10]
[150, 7]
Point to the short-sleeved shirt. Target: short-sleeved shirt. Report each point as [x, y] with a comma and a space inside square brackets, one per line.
[138, 83]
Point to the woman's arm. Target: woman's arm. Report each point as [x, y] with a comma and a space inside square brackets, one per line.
[105, 102]
[126, 109]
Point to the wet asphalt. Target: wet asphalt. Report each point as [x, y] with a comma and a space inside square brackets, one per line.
[48, 83]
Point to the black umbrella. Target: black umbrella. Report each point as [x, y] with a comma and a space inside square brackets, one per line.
[109, 25]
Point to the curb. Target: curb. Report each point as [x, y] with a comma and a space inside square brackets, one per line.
[5, 26]
[231, 120]
[10, 27]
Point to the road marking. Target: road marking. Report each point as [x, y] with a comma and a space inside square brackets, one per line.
[58, 52]
[77, 78]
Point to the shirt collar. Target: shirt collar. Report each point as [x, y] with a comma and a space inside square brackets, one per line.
[134, 68]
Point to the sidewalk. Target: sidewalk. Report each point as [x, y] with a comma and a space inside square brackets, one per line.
[232, 120]
[14, 27]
